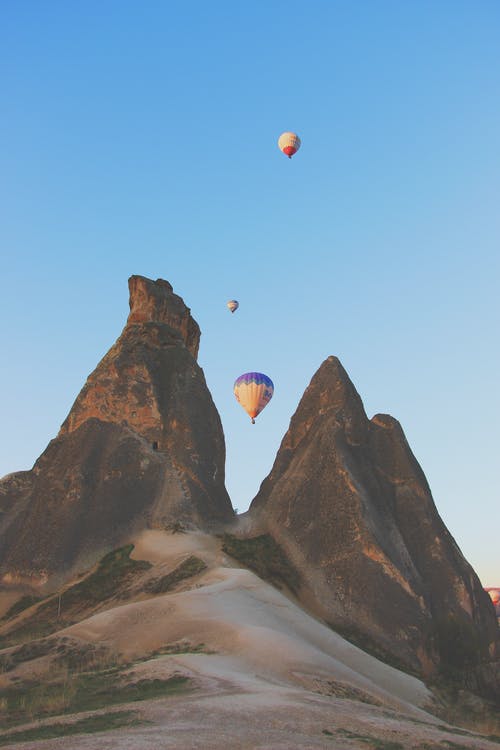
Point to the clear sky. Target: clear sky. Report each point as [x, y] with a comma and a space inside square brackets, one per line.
[140, 138]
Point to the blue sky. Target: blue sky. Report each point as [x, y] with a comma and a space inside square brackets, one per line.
[141, 138]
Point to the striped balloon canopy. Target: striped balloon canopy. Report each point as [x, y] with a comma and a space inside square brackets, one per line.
[253, 391]
[289, 143]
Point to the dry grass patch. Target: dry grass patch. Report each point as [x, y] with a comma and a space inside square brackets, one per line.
[64, 692]
[265, 557]
[113, 575]
[88, 725]
[190, 567]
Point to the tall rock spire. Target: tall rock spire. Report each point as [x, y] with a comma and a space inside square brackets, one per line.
[349, 502]
[149, 379]
[142, 446]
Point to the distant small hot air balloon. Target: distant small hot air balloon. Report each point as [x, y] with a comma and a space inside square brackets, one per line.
[253, 390]
[233, 305]
[289, 143]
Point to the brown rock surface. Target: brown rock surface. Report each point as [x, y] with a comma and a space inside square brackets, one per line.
[141, 447]
[349, 502]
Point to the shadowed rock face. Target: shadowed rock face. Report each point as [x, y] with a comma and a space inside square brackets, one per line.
[141, 447]
[351, 505]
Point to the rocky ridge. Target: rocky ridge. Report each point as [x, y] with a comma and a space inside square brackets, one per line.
[350, 504]
[142, 447]
[359, 539]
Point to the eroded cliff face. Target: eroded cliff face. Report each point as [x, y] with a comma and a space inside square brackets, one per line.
[349, 502]
[142, 447]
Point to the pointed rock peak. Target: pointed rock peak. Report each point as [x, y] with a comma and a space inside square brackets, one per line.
[155, 302]
[349, 504]
[142, 447]
[333, 380]
[331, 392]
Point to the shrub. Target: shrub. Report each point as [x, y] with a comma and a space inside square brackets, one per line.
[265, 557]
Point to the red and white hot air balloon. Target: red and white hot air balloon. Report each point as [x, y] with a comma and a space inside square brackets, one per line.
[289, 143]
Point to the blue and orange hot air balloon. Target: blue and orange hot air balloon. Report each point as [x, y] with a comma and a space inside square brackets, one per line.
[253, 390]
[233, 305]
[289, 143]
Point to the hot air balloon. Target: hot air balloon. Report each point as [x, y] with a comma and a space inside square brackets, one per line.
[233, 305]
[289, 143]
[253, 390]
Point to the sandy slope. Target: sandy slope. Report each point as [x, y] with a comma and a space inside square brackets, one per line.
[270, 676]
[251, 625]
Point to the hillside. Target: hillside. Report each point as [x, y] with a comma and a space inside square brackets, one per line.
[189, 649]
[338, 609]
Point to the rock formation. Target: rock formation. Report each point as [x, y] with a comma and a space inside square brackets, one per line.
[141, 447]
[348, 501]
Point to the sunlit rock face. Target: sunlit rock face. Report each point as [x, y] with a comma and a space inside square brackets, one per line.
[141, 447]
[351, 505]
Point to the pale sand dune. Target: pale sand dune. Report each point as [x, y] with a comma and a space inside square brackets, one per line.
[271, 677]
[252, 627]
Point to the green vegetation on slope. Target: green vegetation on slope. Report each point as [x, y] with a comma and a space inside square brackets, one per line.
[374, 743]
[265, 557]
[188, 568]
[64, 692]
[23, 603]
[88, 725]
[113, 574]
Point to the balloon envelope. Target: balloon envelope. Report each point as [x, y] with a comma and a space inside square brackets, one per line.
[253, 390]
[289, 143]
[233, 305]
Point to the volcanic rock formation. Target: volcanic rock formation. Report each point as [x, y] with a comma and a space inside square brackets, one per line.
[346, 500]
[141, 447]
[350, 504]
